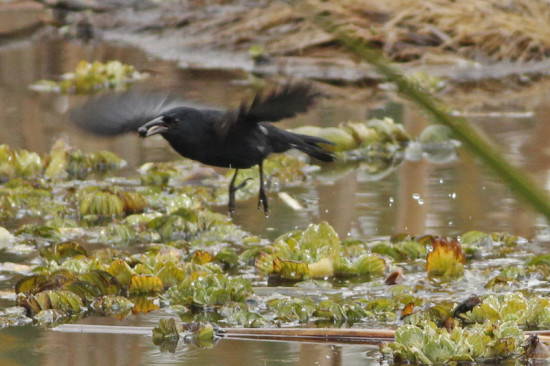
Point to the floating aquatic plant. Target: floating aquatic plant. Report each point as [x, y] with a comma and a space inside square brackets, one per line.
[18, 163]
[291, 310]
[159, 173]
[332, 311]
[112, 305]
[427, 344]
[118, 234]
[401, 250]
[495, 244]
[144, 284]
[91, 77]
[526, 311]
[171, 330]
[315, 252]
[40, 233]
[446, 259]
[20, 197]
[63, 251]
[209, 290]
[64, 301]
[106, 202]
[353, 135]
[65, 162]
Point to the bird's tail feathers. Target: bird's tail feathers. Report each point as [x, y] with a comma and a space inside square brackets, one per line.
[312, 146]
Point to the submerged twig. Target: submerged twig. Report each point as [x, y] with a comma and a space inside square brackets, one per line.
[347, 335]
[287, 334]
[340, 335]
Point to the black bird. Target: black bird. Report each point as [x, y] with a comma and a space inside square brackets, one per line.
[236, 139]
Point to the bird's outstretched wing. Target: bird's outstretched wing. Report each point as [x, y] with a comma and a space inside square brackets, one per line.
[113, 114]
[286, 102]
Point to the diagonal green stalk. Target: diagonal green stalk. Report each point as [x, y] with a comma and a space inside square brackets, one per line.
[473, 140]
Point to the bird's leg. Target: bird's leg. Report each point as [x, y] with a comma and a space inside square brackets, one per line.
[233, 189]
[262, 200]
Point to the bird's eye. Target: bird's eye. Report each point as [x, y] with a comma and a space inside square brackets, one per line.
[169, 120]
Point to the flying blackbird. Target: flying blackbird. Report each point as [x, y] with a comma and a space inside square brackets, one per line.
[236, 139]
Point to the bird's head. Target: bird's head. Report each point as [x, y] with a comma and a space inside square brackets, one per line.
[170, 123]
[160, 124]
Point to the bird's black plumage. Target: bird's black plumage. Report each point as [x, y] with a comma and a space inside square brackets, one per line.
[237, 139]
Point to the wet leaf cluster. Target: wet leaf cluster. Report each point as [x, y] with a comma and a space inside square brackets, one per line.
[400, 250]
[446, 258]
[18, 163]
[160, 173]
[530, 312]
[63, 162]
[171, 330]
[108, 202]
[475, 330]
[427, 344]
[361, 134]
[316, 252]
[64, 292]
[21, 197]
[91, 77]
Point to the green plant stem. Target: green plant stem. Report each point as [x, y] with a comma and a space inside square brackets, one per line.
[473, 140]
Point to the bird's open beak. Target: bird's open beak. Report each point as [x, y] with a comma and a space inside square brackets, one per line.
[153, 127]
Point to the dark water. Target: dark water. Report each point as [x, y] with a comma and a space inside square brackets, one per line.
[419, 197]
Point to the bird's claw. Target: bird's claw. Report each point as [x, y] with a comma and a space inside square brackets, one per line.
[232, 190]
[262, 201]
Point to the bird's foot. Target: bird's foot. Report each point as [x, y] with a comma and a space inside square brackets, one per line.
[232, 190]
[231, 205]
[262, 201]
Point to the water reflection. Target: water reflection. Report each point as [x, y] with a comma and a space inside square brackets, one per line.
[236, 352]
[34, 346]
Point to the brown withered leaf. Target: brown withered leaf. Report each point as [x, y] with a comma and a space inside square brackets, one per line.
[395, 277]
[407, 310]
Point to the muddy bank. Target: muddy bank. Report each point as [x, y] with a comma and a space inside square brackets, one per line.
[464, 41]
